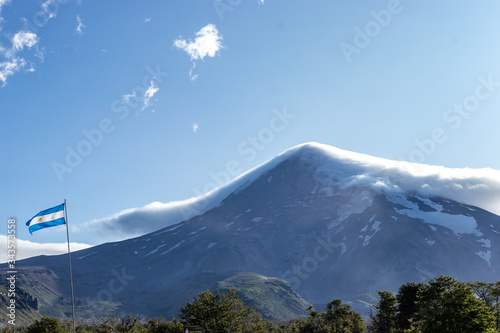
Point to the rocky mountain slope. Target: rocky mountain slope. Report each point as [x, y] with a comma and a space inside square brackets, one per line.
[332, 225]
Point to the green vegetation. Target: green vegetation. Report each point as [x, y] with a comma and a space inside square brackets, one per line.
[26, 304]
[221, 312]
[442, 305]
[275, 298]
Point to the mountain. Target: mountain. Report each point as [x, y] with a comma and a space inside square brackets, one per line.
[333, 224]
[24, 309]
[275, 298]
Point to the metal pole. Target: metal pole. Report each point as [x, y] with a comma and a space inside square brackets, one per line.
[70, 271]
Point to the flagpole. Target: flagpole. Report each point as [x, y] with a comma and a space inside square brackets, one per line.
[70, 271]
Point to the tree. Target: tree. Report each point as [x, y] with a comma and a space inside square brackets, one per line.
[126, 324]
[156, 326]
[46, 325]
[485, 292]
[384, 321]
[489, 293]
[221, 313]
[495, 292]
[448, 306]
[338, 318]
[406, 307]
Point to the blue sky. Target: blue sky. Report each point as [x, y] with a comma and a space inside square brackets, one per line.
[159, 99]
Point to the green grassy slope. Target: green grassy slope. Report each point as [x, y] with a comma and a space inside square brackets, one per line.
[275, 299]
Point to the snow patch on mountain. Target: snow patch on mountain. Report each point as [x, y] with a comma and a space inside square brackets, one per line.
[486, 255]
[155, 250]
[173, 247]
[343, 251]
[356, 204]
[486, 242]
[376, 226]
[459, 224]
[90, 254]
[168, 230]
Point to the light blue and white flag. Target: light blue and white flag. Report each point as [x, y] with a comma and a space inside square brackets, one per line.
[47, 218]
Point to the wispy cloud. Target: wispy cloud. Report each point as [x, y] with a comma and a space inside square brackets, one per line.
[80, 26]
[2, 3]
[11, 62]
[8, 68]
[195, 128]
[128, 97]
[192, 76]
[206, 43]
[152, 90]
[478, 187]
[24, 38]
[46, 8]
[147, 20]
[26, 249]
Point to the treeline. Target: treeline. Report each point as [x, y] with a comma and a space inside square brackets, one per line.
[442, 305]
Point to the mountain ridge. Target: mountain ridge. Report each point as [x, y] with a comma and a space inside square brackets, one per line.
[328, 228]
[477, 187]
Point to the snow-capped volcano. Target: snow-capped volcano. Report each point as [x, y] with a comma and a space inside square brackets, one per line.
[333, 224]
[329, 165]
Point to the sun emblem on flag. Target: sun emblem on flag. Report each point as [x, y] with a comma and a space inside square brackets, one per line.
[40, 219]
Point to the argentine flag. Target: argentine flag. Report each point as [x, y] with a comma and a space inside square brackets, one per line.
[47, 218]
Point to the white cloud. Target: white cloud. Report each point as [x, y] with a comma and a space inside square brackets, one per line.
[2, 3]
[80, 26]
[26, 249]
[48, 5]
[195, 128]
[147, 20]
[145, 100]
[191, 76]
[127, 97]
[8, 68]
[11, 63]
[477, 187]
[24, 38]
[206, 43]
[152, 90]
